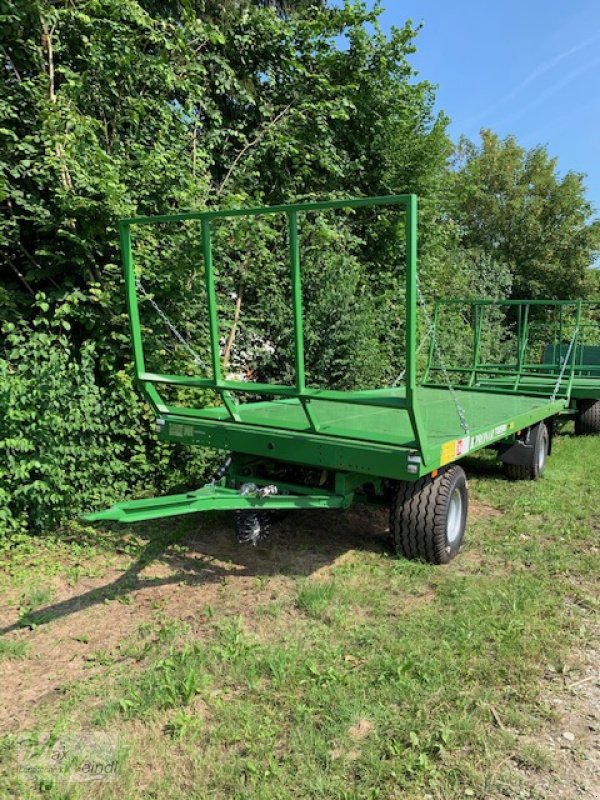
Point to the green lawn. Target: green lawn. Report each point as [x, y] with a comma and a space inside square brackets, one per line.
[317, 666]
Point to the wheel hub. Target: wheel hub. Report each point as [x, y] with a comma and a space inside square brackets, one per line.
[542, 455]
[454, 519]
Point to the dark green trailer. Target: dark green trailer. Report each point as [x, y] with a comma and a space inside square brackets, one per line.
[554, 350]
[299, 446]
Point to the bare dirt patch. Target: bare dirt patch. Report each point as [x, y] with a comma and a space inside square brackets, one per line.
[357, 733]
[361, 729]
[479, 510]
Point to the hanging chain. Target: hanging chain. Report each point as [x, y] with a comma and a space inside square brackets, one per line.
[564, 366]
[197, 360]
[403, 373]
[431, 331]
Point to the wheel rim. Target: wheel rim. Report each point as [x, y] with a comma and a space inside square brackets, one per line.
[454, 519]
[542, 455]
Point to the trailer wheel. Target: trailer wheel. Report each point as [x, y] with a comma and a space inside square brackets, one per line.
[252, 527]
[540, 439]
[587, 420]
[428, 517]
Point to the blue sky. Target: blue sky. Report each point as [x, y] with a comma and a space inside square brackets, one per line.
[529, 68]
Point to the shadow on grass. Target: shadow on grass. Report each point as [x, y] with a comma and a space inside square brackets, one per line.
[299, 545]
[208, 553]
[485, 462]
[483, 467]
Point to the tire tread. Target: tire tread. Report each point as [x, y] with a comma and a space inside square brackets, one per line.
[418, 516]
[529, 472]
[587, 421]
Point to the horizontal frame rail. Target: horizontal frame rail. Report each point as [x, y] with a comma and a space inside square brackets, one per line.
[562, 357]
[323, 205]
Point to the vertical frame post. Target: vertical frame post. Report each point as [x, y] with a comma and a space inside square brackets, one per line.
[523, 342]
[578, 307]
[209, 281]
[133, 312]
[560, 337]
[581, 343]
[297, 311]
[478, 311]
[131, 298]
[213, 319]
[555, 341]
[296, 300]
[519, 331]
[411, 297]
[411, 324]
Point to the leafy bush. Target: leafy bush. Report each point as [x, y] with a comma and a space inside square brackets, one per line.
[67, 443]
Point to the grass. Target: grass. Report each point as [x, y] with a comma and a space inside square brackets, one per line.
[315, 598]
[11, 649]
[368, 677]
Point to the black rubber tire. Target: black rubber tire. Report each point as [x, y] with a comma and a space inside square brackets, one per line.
[419, 516]
[252, 527]
[587, 421]
[539, 437]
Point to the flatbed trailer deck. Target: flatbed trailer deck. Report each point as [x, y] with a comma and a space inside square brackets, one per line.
[308, 447]
[371, 439]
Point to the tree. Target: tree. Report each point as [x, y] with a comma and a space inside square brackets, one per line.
[130, 106]
[513, 205]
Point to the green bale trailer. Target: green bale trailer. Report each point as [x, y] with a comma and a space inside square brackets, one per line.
[298, 446]
[552, 349]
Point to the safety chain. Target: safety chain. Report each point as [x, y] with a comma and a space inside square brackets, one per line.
[403, 373]
[564, 366]
[197, 360]
[431, 331]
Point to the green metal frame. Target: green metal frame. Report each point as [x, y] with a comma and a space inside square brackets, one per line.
[579, 379]
[398, 433]
[215, 498]
[347, 450]
[149, 382]
[223, 495]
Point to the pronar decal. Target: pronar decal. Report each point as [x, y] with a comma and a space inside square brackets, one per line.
[459, 447]
[184, 431]
[481, 439]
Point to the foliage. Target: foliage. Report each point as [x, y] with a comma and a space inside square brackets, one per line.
[132, 107]
[68, 443]
[512, 204]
